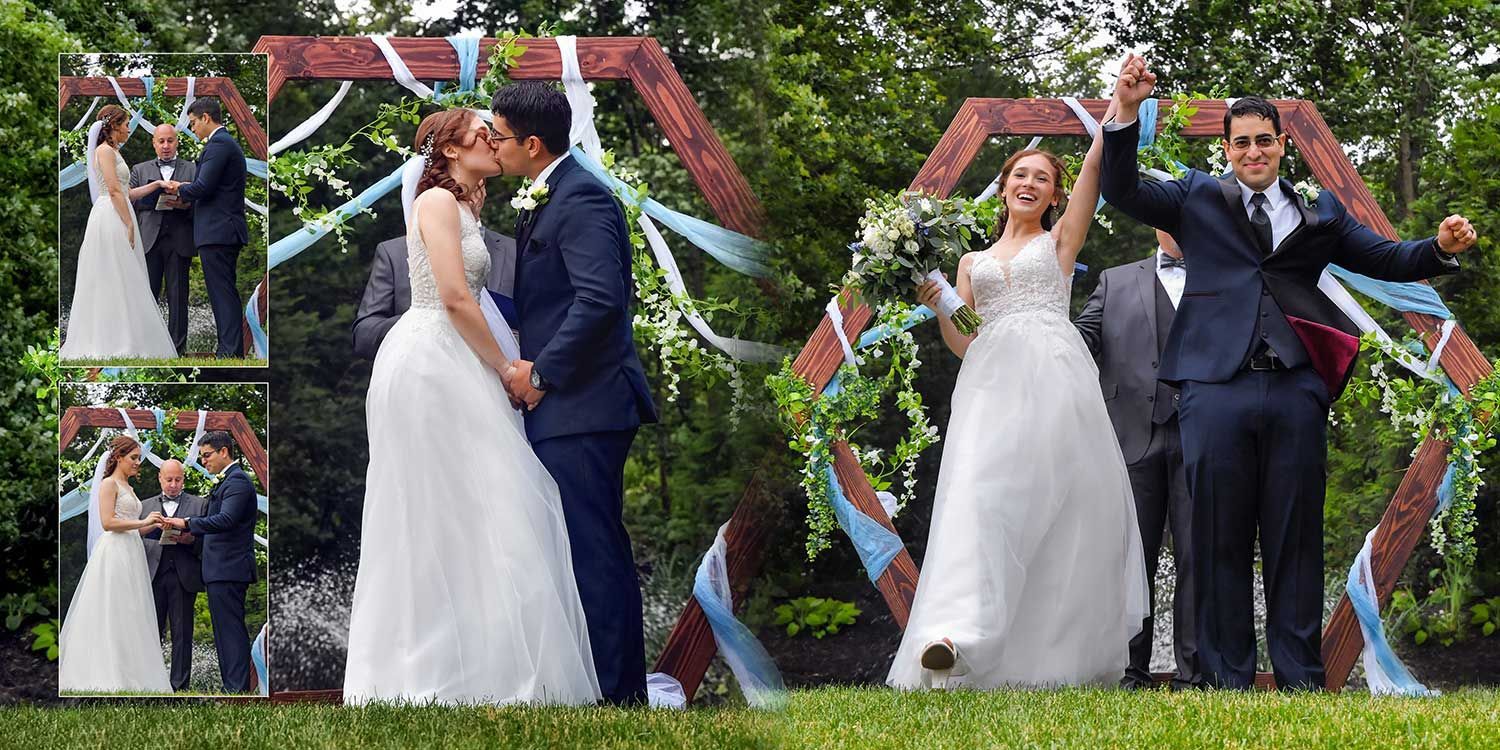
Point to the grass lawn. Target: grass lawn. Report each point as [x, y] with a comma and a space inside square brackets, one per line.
[862, 718]
[166, 362]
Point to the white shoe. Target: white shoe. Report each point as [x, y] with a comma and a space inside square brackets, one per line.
[940, 655]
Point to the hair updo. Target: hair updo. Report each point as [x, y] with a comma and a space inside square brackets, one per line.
[1057, 176]
[443, 128]
[113, 116]
[119, 447]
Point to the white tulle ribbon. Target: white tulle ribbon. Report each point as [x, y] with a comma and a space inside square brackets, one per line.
[310, 125]
[580, 99]
[83, 120]
[1346, 303]
[399, 71]
[836, 316]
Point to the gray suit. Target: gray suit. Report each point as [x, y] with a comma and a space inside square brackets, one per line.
[176, 579]
[1125, 323]
[168, 239]
[388, 292]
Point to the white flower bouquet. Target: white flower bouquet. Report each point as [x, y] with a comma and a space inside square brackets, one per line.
[906, 239]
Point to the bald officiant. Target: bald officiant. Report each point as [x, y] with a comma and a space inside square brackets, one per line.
[388, 292]
[176, 567]
[167, 229]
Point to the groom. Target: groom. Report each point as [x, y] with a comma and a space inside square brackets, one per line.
[228, 530]
[579, 378]
[1259, 353]
[217, 192]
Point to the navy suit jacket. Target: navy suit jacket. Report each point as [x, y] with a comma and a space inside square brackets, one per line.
[228, 530]
[1233, 295]
[573, 298]
[217, 193]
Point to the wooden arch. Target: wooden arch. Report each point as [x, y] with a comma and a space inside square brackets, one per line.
[1415, 499]
[219, 87]
[642, 62]
[233, 422]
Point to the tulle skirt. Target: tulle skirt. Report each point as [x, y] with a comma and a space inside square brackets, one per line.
[1034, 566]
[465, 592]
[110, 640]
[113, 313]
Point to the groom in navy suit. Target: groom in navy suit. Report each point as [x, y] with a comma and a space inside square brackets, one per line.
[228, 534]
[217, 193]
[1259, 353]
[579, 377]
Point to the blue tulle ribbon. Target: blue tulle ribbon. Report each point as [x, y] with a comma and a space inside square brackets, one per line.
[257, 331]
[754, 669]
[258, 658]
[299, 240]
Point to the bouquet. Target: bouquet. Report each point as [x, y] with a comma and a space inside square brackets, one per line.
[904, 240]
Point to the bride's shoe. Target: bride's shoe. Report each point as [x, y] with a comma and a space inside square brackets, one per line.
[939, 655]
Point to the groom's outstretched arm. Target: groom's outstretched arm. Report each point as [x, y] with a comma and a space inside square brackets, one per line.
[591, 246]
[237, 509]
[210, 170]
[1157, 204]
[1363, 251]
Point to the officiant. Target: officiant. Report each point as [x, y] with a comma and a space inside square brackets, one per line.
[167, 229]
[176, 567]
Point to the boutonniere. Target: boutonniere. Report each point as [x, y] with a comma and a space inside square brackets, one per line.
[530, 197]
[1308, 190]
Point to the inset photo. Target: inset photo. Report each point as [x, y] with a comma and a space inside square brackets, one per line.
[162, 226]
[162, 539]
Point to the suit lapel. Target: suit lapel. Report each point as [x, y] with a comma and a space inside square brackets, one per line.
[1146, 286]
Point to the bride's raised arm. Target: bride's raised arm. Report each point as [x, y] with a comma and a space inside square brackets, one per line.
[1073, 228]
[438, 223]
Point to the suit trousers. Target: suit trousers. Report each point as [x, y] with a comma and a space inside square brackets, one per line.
[1256, 450]
[590, 473]
[226, 606]
[219, 264]
[165, 265]
[1159, 482]
[174, 609]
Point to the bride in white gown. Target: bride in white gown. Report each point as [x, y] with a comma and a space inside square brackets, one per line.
[109, 640]
[465, 592]
[1034, 574]
[113, 313]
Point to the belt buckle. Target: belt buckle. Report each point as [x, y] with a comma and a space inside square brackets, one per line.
[1264, 363]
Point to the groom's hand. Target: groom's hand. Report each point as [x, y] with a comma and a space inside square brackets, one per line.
[519, 384]
[1456, 235]
[1134, 85]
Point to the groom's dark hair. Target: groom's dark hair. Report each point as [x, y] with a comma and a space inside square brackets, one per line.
[208, 107]
[536, 108]
[218, 440]
[1252, 106]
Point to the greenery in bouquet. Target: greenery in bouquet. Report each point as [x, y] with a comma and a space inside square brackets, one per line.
[906, 239]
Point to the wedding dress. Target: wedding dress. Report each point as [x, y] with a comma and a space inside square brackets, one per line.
[110, 641]
[1034, 567]
[465, 591]
[113, 313]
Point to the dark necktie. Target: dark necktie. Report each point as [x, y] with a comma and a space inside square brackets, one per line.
[1168, 261]
[1260, 221]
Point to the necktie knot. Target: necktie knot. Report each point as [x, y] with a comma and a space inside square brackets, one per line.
[1258, 200]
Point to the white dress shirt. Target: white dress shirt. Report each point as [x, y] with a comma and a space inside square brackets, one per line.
[167, 171]
[1285, 218]
[169, 506]
[546, 171]
[1172, 279]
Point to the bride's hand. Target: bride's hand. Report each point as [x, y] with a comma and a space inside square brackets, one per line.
[928, 293]
[154, 518]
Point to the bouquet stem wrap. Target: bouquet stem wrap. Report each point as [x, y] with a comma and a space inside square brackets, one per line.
[953, 307]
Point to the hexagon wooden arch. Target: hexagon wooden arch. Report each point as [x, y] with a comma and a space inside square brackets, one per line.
[640, 60]
[1415, 499]
[233, 422]
[215, 86]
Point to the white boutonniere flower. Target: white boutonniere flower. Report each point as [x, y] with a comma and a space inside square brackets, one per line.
[1309, 191]
[530, 197]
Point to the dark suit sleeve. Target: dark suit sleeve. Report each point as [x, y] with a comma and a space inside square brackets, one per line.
[1090, 321]
[1363, 251]
[211, 168]
[1151, 202]
[590, 242]
[377, 308]
[237, 509]
[138, 178]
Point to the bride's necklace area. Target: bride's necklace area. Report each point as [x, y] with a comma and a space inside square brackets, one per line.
[1005, 262]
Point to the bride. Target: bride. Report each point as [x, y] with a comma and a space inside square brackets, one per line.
[465, 591]
[1034, 574]
[113, 312]
[109, 640]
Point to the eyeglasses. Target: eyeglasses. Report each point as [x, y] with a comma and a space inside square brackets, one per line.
[1262, 141]
[496, 138]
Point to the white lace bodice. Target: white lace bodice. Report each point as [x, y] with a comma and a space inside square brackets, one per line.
[424, 291]
[122, 171]
[1028, 283]
[127, 505]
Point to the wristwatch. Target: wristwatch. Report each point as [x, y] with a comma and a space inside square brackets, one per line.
[538, 382]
